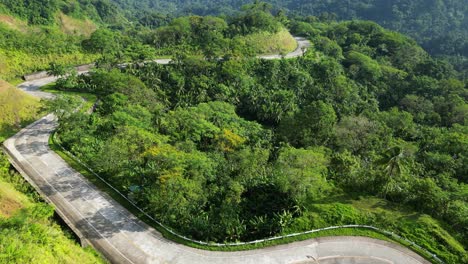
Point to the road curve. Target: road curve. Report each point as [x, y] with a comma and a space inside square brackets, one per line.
[123, 238]
[302, 45]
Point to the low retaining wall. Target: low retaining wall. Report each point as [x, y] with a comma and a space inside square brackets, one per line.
[84, 242]
[44, 74]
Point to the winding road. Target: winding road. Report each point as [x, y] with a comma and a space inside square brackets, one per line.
[123, 238]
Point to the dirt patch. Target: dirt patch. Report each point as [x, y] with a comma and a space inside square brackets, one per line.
[13, 23]
[4, 86]
[72, 26]
[9, 206]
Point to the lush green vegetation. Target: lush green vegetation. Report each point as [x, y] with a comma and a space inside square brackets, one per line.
[36, 33]
[70, 33]
[366, 128]
[43, 12]
[439, 25]
[16, 109]
[28, 233]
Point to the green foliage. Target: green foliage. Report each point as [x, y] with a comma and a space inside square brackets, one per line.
[36, 12]
[312, 126]
[36, 48]
[301, 173]
[16, 109]
[222, 146]
[63, 106]
[27, 231]
[241, 148]
[439, 26]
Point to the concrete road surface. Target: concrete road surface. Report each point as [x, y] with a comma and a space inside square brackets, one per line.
[123, 238]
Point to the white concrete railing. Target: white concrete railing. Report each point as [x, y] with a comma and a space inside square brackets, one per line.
[168, 229]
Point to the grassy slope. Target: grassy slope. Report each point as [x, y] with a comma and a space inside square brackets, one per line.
[16, 63]
[11, 200]
[281, 42]
[29, 235]
[73, 26]
[16, 109]
[88, 97]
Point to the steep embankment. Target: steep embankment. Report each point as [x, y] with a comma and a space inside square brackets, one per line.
[27, 232]
[34, 34]
[16, 108]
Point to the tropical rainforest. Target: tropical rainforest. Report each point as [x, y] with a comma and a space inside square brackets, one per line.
[366, 128]
[440, 26]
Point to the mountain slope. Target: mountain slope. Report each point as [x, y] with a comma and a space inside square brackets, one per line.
[440, 26]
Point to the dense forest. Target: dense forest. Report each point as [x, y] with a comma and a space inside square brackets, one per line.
[365, 128]
[240, 148]
[36, 34]
[440, 26]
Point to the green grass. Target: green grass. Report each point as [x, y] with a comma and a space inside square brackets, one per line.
[117, 197]
[429, 233]
[28, 233]
[17, 109]
[265, 43]
[90, 99]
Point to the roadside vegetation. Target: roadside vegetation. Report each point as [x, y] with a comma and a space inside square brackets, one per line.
[28, 231]
[16, 109]
[74, 32]
[366, 128]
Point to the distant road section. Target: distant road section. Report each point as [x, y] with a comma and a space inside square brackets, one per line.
[123, 238]
[302, 46]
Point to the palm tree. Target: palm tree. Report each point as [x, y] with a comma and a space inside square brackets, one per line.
[394, 162]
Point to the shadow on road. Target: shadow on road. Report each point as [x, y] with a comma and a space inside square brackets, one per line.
[107, 223]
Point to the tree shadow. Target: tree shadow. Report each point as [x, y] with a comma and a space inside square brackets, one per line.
[39, 146]
[108, 222]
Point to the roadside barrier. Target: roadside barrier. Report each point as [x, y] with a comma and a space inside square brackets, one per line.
[168, 229]
[45, 74]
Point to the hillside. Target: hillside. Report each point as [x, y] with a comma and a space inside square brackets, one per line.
[28, 233]
[16, 109]
[440, 26]
[37, 33]
[71, 33]
[366, 128]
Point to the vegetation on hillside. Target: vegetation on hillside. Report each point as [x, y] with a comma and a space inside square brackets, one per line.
[366, 128]
[28, 233]
[16, 109]
[77, 37]
[438, 25]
